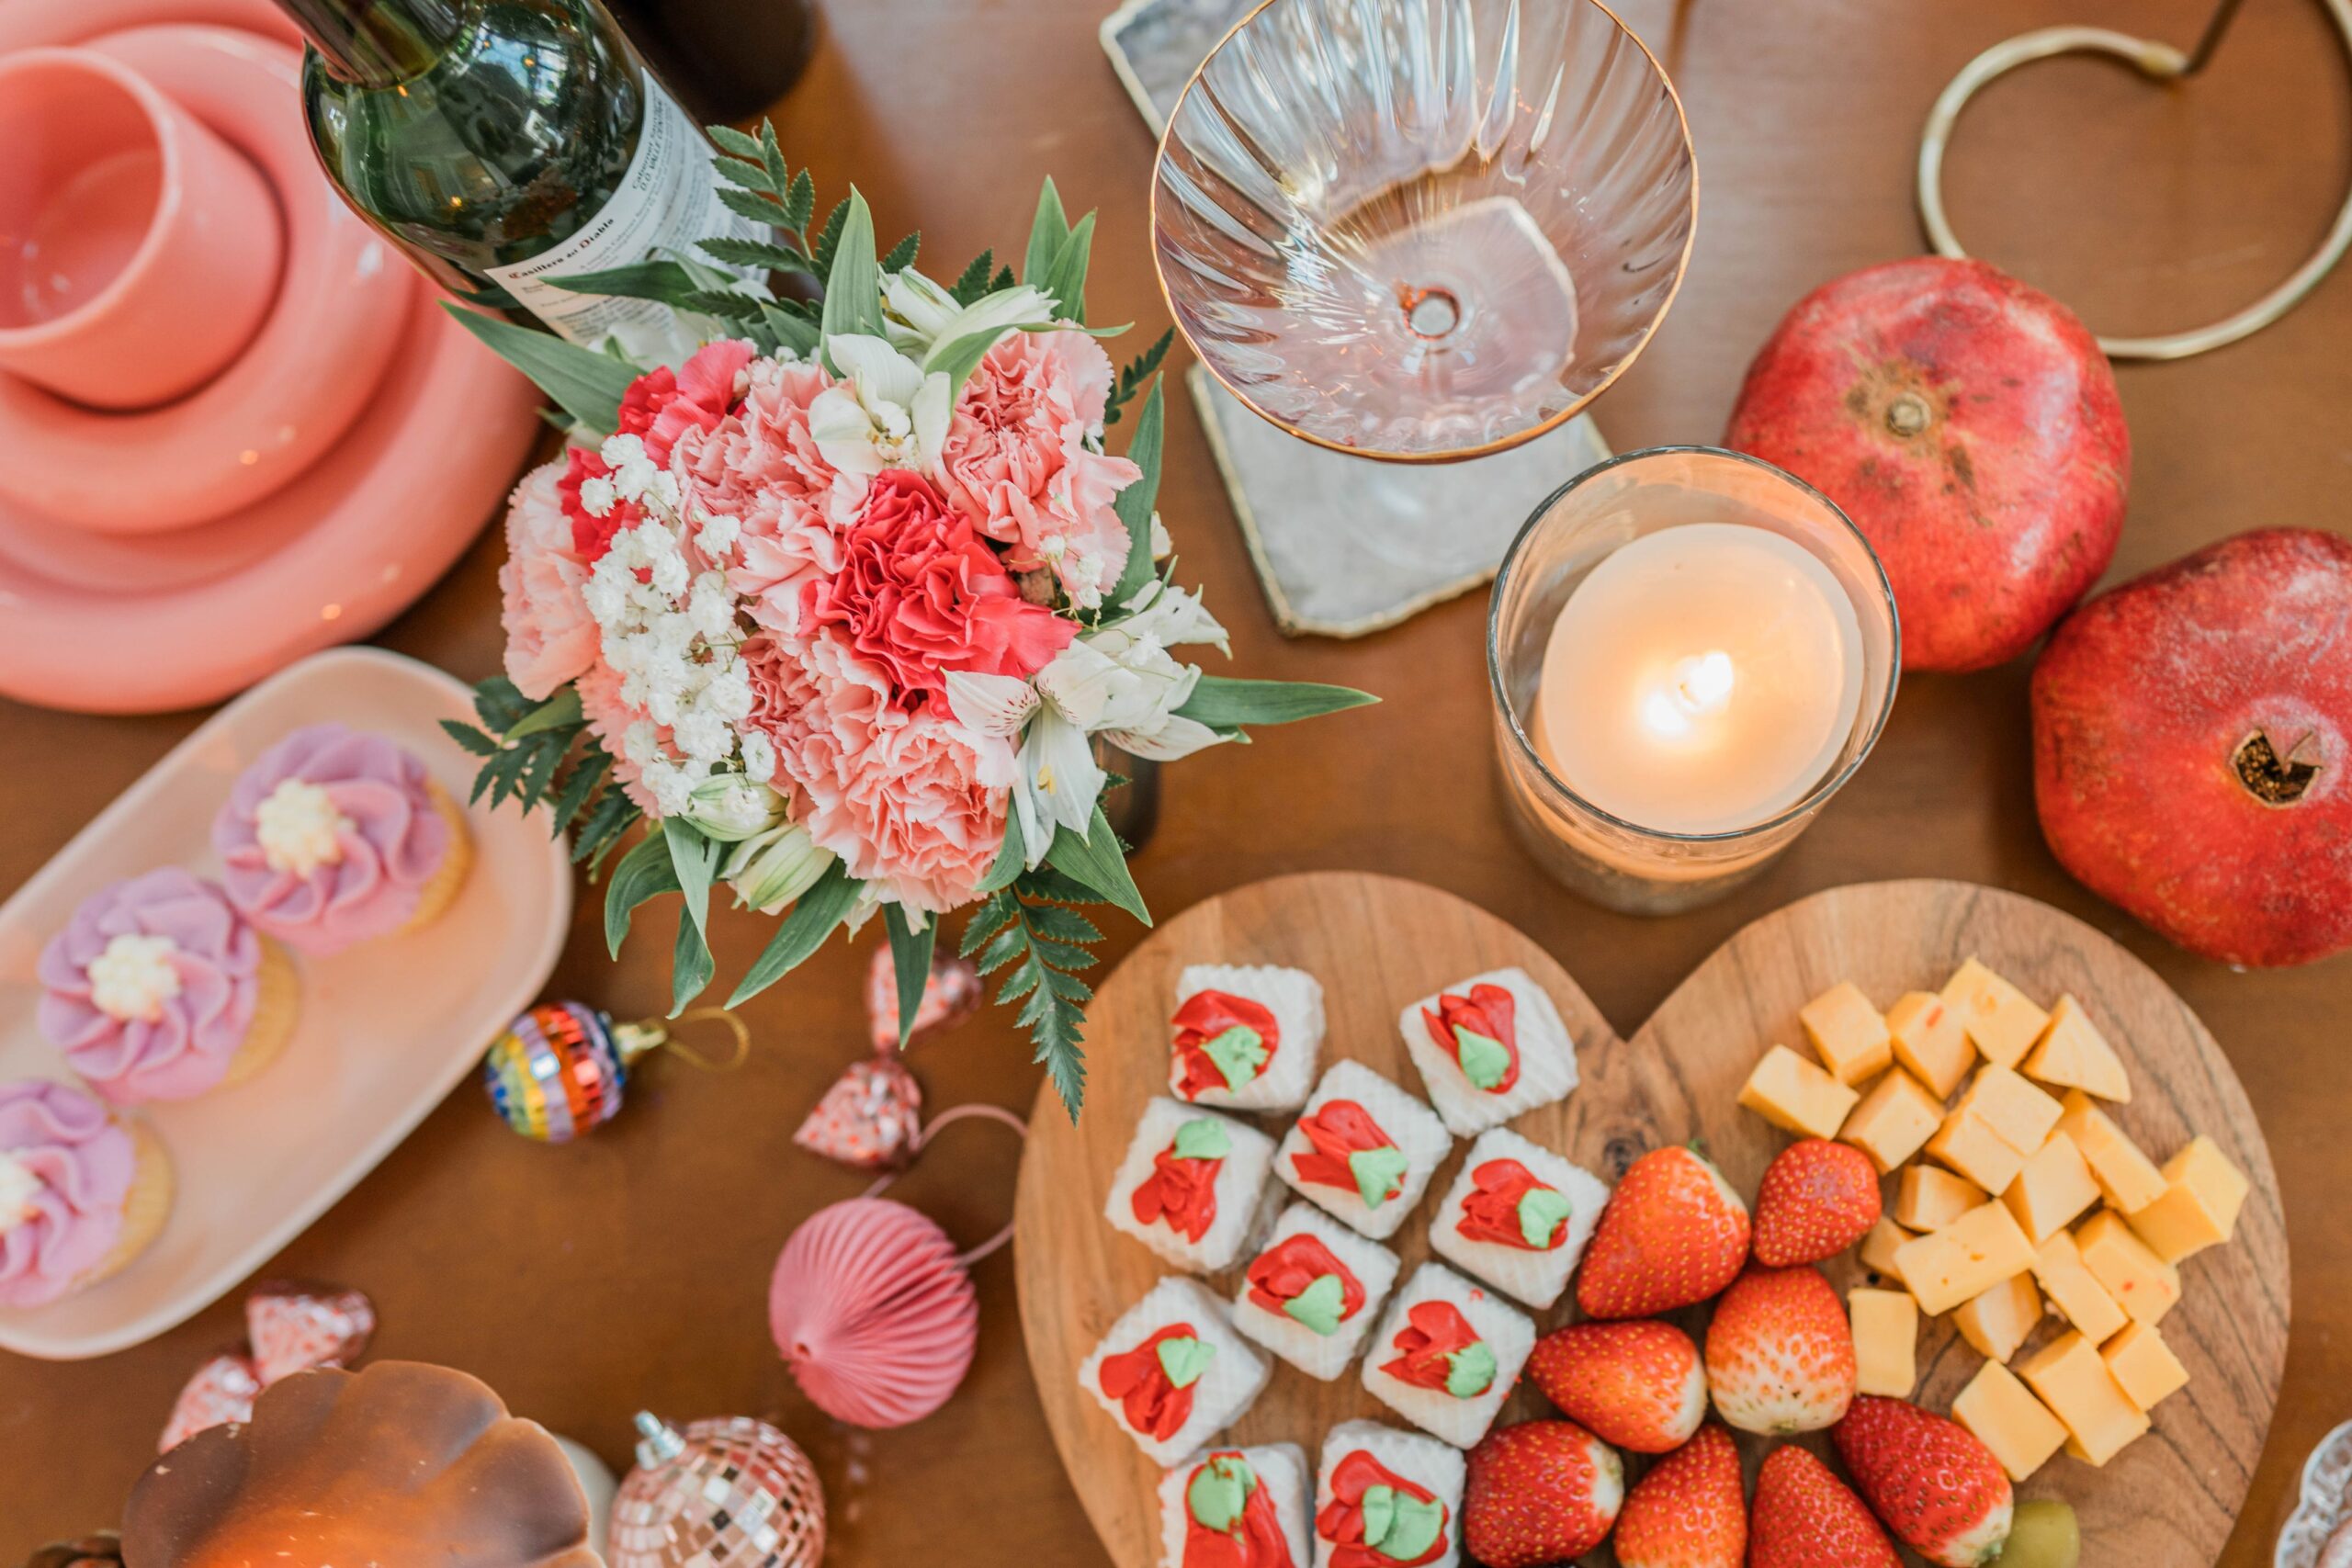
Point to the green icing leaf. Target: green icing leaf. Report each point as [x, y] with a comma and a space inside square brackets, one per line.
[1379, 1507]
[1202, 1139]
[1485, 1061]
[1540, 1210]
[1219, 1491]
[1239, 1055]
[1379, 1173]
[1318, 1306]
[1413, 1528]
[1183, 1360]
[1470, 1372]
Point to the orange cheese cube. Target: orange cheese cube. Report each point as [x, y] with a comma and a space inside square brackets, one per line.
[1998, 1322]
[2005, 1416]
[1929, 1042]
[1796, 1096]
[1965, 1258]
[2127, 1178]
[2143, 1366]
[2143, 1284]
[1927, 1198]
[1877, 1250]
[2203, 1192]
[2073, 1054]
[2071, 1379]
[1847, 1033]
[1886, 1338]
[2054, 1187]
[1969, 1145]
[1895, 1119]
[2021, 1114]
[2000, 1020]
[2080, 1299]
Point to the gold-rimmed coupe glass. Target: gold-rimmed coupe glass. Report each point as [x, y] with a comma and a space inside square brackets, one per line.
[1423, 229]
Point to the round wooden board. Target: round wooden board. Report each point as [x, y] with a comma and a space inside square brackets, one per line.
[2168, 1501]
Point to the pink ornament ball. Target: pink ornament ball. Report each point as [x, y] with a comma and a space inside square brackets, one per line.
[872, 1310]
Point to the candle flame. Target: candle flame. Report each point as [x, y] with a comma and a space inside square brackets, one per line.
[1700, 685]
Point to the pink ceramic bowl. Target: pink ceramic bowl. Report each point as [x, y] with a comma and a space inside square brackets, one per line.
[138, 252]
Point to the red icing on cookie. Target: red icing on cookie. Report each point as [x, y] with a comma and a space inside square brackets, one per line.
[1288, 1267]
[1152, 1405]
[1340, 1129]
[1341, 1520]
[1491, 1212]
[1490, 1011]
[1204, 1017]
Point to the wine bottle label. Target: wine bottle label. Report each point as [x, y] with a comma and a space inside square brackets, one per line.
[668, 201]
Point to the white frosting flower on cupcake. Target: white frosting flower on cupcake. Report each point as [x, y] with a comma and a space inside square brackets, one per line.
[131, 980]
[18, 1187]
[298, 828]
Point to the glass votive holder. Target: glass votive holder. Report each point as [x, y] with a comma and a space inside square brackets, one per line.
[1852, 643]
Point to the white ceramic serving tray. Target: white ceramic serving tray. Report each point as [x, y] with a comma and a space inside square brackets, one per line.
[387, 1029]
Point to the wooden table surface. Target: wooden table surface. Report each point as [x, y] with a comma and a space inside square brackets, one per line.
[632, 1269]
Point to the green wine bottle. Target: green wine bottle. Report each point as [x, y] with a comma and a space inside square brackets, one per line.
[503, 143]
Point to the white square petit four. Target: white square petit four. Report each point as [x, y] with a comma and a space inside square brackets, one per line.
[1489, 1048]
[1364, 1150]
[1172, 1372]
[1229, 1491]
[1446, 1355]
[1518, 1216]
[1313, 1293]
[1245, 1038]
[1424, 1478]
[1192, 1187]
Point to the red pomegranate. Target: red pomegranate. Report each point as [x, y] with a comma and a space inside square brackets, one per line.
[1970, 427]
[2192, 747]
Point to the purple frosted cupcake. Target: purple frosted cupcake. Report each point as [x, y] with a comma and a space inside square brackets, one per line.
[335, 836]
[157, 989]
[81, 1192]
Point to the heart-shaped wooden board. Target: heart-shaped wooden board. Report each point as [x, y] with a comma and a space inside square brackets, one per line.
[2168, 1501]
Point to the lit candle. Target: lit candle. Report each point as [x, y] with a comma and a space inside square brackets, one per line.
[1702, 678]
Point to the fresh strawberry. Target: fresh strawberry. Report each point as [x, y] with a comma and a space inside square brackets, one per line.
[1540, 1492]
[1818, 1198]
[1929, 1479]
[1781, 1353]
[1638, 1385]
[1674, 1233]
[1688, 1512]
[1804, 1518]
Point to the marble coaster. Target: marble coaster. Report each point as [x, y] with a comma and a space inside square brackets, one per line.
[1343, 545]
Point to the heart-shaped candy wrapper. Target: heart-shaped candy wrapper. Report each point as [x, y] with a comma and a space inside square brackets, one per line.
[869, 1119]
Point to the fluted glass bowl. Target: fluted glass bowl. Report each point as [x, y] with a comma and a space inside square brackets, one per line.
[1423, 229]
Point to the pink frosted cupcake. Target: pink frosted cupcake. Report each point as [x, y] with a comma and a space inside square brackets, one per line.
[157, 989]
[335, 836]
[81, 1192]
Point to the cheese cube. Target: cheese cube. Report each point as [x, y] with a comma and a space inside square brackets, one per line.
[1970, 1146]
[2000, 1020]
[1929, 1042]
[2143, 1284]
[2073, 1054]
[1877, 1251]
[2005, 1416]
[2080, 1299]
[2071, 1379]
[1796, 1096]
[1895, 1119]
[1965, 1258]
[1886, 1339]
[1927, 1198]
[2203, 1192]
[1847, 1032]
[2000, 1319]
[2127, 1178]
[2143, 1366]
[2021, 1114]
[2054, 1187]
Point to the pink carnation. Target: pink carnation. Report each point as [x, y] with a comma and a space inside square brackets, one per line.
[662, 405]
[550, 637]
[912, 801]
[609, 717]
[920, 593]
[1016, 458]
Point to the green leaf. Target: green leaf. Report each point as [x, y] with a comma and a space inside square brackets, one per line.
[645, 872]
[794, 332]
[902, 254]
[561, 711]
[801, 933]
[695, 860]
[853, 286]
[1097, 862]
[580, 785]
[499, 703]
[1048, 231]
[473, 739]
[1011, 858]
[690, 965]
[741, 143]
[1134, 503]
[665, 281]
[958, 359]
[1065, 279]
[772, 156]
[911, 964]
[755, 252]
[828, 238]
[799, 202]
[1223, 702]
[1137, 371]
[971, 285]
[742, 171]
[724, 303]
[602, 829]
[760, 209]
[586, 385]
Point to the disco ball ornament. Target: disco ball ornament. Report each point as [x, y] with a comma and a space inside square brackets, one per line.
[730, 1491]
[560, 1069]
[873, 1311]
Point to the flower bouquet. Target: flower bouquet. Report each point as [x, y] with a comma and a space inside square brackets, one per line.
[840, 606]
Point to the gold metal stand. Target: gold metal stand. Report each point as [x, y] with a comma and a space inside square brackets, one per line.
[2160, 63]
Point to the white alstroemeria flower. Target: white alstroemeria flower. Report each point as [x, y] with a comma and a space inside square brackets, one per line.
[729, 808]
[918, 308]
[927, 319]
[1169, 615]
[885, 413]
[769, 870]
[1059, 782]
[991, 704]
[1122, 683]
